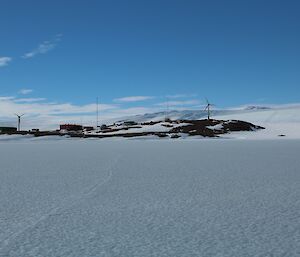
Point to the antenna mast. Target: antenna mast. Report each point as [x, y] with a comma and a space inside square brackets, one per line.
[167, 111]
[97, 113]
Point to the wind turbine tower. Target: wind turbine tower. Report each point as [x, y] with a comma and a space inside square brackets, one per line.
[19, 120]
[208, 108]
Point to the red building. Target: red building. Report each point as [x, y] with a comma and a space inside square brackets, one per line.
[70, 127]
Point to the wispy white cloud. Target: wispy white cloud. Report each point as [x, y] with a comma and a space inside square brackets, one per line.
[25, 91]
[44, 47]
[6, 98]
[4, 61]
[44, 114]
[175, 96]
[179, 103]
[29, 100]
[130, 99]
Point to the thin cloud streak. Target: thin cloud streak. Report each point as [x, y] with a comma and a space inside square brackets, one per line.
[25, 91]
[181, 96]
[29, 100]
[44, 47]
[131, 99]
[178, 103]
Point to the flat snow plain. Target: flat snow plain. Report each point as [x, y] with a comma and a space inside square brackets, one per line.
[127, 198]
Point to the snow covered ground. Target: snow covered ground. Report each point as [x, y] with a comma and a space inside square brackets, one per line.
[160, 127]
[278, 120]
[149, 198]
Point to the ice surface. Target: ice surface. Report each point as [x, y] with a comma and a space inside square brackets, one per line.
[87, 198]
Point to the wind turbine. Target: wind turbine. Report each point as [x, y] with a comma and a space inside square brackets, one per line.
[208, 108]
[19, 120]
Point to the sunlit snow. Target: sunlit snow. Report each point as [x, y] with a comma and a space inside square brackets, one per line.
[149, 198]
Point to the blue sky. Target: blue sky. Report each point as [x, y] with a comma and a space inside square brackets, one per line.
[133, 54]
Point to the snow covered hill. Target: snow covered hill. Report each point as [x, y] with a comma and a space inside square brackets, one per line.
[277, 121]
[170, 128]
[281, 120]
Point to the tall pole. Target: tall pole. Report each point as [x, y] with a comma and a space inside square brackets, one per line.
[97, 113]
[19, 123]
[208, 111]
[167, 111]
